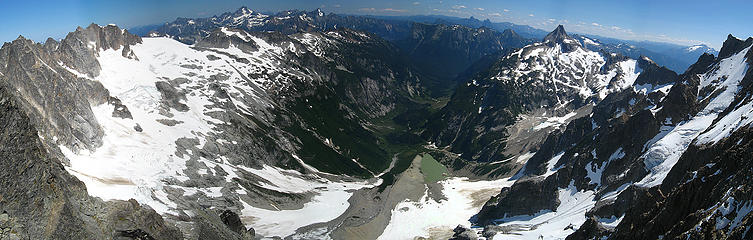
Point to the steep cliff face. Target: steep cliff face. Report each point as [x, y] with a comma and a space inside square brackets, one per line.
[49, 77]
[55, 112]
[629, 169]
[714, 169]
[39, 199]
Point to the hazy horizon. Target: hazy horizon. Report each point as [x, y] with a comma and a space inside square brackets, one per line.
[682, 23]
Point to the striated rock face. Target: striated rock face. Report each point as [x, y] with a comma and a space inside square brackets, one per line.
[59, 99]
[40, 200]
[78, 50]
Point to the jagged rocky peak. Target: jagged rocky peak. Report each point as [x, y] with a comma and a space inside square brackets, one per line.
[558, 77]
[559, 36]
[244, 10]
[103, 37]
[733, 45]
[78, 50]
[51, 45]
[55, 74]
[654, 74]
[241, 17]
[558, 33]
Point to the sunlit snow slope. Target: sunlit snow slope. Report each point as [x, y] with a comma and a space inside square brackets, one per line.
[146, 157]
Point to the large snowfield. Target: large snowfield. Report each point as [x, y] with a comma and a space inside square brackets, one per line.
[422, 218]
[570, 214]
[137, 164]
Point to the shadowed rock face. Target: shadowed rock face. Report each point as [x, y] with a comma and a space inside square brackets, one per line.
[653, 74]
[232, 221]
[693, 198]
[40, 200]
[706, 194]
[46, 94]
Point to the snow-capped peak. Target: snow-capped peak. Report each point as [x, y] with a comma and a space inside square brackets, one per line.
[241, 16]
[701, 47]
[244, 10]
[693, 48]
[569, 70]
[588, 41]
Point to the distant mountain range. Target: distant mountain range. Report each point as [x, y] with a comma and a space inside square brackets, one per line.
[455, 47]
[395, 28]
[675, 57]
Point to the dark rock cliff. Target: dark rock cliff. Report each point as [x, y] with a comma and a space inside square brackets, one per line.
[39, 199]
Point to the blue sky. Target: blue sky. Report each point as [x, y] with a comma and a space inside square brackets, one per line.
[682, 22]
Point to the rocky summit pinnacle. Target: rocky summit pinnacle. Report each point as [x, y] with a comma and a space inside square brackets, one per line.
[243, 10]
[559, 36]
[558, 32]
[733, 45]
